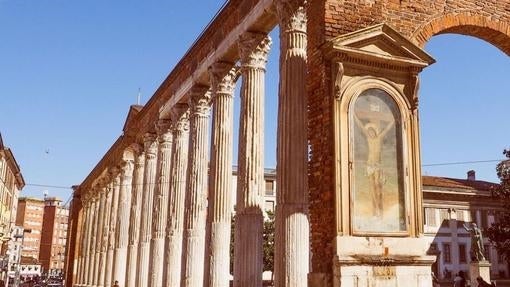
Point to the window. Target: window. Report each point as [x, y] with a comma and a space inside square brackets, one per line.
[443, 215]
[462, 253]
[485, 219]
[487, 252]
[430, 216]
[269, 187]
[377, 164]
[447, 253]
[473, 216]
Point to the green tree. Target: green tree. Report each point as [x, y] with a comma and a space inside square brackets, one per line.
[499, 232]
[268, 247]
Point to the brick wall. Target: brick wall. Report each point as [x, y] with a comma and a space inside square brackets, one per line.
[417, 20]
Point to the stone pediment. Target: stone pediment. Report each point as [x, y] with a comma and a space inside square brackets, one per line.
[130, 119]
[377, 44]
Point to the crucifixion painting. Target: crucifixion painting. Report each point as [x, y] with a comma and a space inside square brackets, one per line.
[376, 156]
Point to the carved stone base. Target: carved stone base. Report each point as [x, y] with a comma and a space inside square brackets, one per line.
[479, 269]
[382, 262]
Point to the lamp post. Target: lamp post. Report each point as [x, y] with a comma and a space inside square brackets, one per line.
[18, 265]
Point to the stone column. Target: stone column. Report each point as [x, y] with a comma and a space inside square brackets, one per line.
[83, 241]
[149, 181]
[292, 225]
[160, 202]
[254, 48]
[112, 226]
[99, 235]
[219, 214]
[196, 198]
[122, 224]
[175, 218]
[88, 243]
[134, 218]
[93, 238]
[106, 231]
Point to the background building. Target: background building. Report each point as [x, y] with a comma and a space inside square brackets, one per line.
[30, 216]
[449, 204]
[11, 182]
[53, 236]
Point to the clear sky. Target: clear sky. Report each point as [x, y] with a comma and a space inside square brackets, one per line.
[70, 69]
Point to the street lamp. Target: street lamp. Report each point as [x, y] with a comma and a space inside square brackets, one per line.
[18, 265]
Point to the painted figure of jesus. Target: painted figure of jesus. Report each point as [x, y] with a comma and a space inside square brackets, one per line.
[374, 134]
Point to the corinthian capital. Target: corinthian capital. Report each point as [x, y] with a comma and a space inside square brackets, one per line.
[150, 145]
[223, 76]
[292, 15]
[253, 49]
[127, 167]
[163, 128]
[180, 117]
[200, 101]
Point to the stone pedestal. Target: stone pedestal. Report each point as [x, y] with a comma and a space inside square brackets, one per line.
[479, 269]
[381, 262]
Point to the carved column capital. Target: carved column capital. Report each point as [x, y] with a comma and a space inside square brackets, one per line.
[200, 101]
[180, 117]
[163, 128]
[150, 145]
[292, 15]
[254, 49]
[127, 167]
[223, 76]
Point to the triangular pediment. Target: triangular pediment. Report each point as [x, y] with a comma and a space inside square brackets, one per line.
[379, 42]
[133, 111]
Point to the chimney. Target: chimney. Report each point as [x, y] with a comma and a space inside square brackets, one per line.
[471, 175]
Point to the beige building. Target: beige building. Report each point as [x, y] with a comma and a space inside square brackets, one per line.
[30, 216]
[11, 183]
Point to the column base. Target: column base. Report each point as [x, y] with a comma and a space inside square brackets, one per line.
[479, 269]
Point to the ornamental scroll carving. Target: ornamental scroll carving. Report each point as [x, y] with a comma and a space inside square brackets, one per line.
[338, 74]
[254, 49]
[200, 101]
[223, 76]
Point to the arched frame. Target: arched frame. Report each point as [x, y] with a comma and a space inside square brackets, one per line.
[350, 90]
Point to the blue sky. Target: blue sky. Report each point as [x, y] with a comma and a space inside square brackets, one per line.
[70, 69]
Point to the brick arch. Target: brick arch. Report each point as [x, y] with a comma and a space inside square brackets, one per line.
[494, 31]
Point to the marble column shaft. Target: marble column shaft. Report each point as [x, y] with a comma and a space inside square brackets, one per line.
[134, 218]
[196, 198]
[292, 222]
[99, 237]
[93, 239]
[106, 232]
[254, 48]
[86, 265]
[175, 218]
[160, 202]
[219, 213]
[122, 224]
[149, 182]
[83, 246]
[112, 226]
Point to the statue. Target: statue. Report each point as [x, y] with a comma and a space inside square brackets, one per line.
[477, 249]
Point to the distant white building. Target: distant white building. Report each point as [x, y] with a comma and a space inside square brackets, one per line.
[449, 203]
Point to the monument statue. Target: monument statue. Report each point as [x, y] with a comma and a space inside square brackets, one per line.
[477, 249]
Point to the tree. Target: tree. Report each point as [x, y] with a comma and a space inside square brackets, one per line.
[499, 232]
[268, 246]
